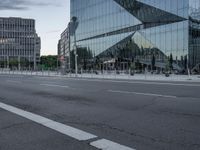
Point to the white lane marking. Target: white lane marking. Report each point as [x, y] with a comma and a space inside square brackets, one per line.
[46, 82]
[104, 144]
[146, 94]
[139, 82]
[54, 85]
[11, 81]
[61, 128]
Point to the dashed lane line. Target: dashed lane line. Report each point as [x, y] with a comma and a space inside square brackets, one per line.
[54, 85]
[145, 94]
[104, 144]
[12, 81]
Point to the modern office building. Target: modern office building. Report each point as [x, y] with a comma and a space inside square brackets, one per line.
[59, 49]
[114, 33]
[19, 43]
[64, 50]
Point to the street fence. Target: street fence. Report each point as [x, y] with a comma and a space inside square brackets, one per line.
[116, 74]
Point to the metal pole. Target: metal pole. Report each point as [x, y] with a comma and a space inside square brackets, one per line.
[69, 54]
[189, 75]
[8, 63]
[57, 65]
[76, 63]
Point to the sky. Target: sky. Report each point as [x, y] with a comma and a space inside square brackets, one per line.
[52, 17]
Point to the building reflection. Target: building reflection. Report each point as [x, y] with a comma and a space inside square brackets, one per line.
[112, 34]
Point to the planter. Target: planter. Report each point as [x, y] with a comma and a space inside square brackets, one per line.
[166, 74]
[132, 73]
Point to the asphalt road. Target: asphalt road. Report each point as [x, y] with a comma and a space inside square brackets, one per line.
[141, 115]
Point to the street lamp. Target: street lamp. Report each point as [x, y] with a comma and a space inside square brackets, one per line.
[73, 26]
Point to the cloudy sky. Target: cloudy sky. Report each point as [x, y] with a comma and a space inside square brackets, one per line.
[51, 18]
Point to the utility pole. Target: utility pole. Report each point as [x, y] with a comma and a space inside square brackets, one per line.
[188, 69]
[69, 53]
[75, 53]
[73, 27]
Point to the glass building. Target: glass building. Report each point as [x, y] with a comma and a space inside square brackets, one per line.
[19, 43]
[112, 34]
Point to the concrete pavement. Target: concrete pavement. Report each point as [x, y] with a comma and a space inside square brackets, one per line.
[138, 114]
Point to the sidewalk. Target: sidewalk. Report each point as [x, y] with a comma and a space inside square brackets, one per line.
[148, 77]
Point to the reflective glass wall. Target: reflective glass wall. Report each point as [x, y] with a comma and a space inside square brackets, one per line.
[194, 32]
[112, 34]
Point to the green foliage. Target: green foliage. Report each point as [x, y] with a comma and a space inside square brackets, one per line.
[84, 57]
[13, 63]
[2, 64]
[48, 62]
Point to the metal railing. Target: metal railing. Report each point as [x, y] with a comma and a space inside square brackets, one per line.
[102, 74]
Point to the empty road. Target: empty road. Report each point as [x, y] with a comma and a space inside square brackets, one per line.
[49, 113]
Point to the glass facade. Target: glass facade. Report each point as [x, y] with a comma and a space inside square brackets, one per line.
[194, 32]
[114, 33]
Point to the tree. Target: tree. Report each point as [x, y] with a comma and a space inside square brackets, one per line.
[85, 56]
[13, 63]
[25, 63]
[49, 62]
[2, 64]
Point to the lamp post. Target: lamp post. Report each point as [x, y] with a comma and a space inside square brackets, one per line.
[75, 53]
[73, 26]
[8, 62]
[188, 69]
